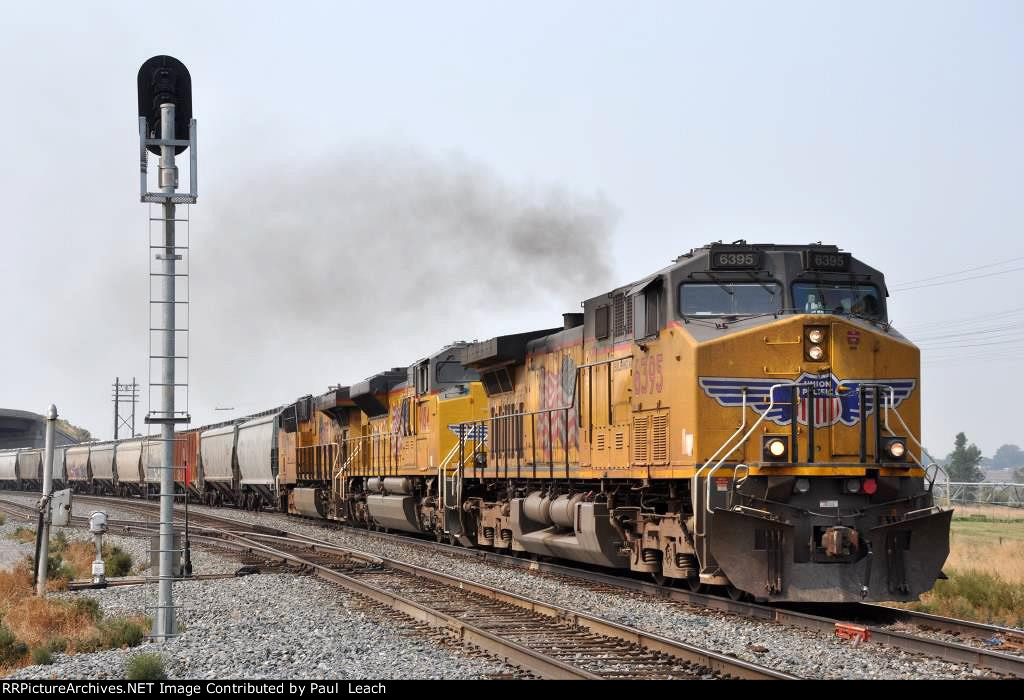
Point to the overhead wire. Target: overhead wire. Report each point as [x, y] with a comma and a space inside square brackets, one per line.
[959, 272]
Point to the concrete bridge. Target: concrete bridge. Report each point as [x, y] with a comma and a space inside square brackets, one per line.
[27, 429]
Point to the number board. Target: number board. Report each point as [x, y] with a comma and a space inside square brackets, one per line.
[826, 260]
[734, 259]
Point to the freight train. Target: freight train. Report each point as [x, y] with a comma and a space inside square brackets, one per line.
[745, 418]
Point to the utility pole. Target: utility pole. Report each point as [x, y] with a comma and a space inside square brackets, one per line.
[124, 393]
[42, 556]
[165, 98]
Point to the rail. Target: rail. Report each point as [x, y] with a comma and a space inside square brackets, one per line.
[956, 652]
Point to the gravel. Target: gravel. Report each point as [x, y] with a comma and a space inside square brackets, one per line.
[138, 547]
[801, 652]
[238, 628]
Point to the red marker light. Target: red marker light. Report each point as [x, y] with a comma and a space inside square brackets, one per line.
[869, 486]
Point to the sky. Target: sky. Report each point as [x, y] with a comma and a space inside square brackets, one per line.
[379, 179]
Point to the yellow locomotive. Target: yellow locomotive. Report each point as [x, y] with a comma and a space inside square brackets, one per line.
[746, 417]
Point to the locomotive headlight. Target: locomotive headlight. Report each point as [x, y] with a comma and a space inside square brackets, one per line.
[815, 338]
[774, 448]
[802, 485]
[897, 449]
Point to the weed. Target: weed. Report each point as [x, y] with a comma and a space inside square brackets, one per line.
[59, 542]
[12, 649]
[146, 667]
[87, 607]
[117, 562]
[976, 595]
[23, 534]
[42, 656]
[121, 632]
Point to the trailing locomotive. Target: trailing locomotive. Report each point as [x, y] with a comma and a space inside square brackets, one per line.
[746, 417]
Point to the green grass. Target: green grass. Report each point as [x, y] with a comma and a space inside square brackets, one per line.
[57, 568]
[145, 667]
[59, 543]
[976, 595]
[985, 569]
[121, 632]
[42, 656]
[11, 648]
[90, 607]
[985, 529]
[117, 562]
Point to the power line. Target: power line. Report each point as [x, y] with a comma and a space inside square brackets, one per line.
[965, 279]
[961, 272]
[965, 320]
[988, 332]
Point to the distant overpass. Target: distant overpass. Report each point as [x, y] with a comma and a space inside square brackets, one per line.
[27, 429]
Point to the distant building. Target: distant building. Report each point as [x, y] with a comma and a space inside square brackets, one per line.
[27, 429]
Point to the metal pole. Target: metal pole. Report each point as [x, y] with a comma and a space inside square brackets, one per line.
[51, 419]
[117, 403]
[135, 400]
[164, 625]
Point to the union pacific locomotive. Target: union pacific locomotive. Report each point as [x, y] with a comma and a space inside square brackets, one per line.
[746, 417]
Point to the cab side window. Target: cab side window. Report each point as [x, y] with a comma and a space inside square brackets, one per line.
[423, 378]
[647, 314]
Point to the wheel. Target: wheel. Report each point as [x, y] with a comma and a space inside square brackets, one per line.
[661, 579]
[694, 584]
[735, 593]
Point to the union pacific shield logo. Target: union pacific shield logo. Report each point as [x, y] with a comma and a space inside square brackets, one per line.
[831, 406]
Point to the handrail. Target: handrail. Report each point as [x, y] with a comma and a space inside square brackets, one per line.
[924, 452]
[891, 406]
[738, 430]
[481, 446]
[442, 469]
[760, 419]
[736, 483]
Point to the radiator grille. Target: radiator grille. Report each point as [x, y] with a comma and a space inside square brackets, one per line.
[641, 440]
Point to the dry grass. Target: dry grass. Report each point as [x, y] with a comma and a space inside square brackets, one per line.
[985, 568]
[30, 623]
[23, 534]
[14, 585]
[79, 556]
[36, 621]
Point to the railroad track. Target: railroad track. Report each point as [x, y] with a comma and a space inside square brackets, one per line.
[875, 622]
[543, 639]
[548, 640]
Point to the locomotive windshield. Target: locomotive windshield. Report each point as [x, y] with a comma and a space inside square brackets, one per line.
[729, 298]
[832, 298]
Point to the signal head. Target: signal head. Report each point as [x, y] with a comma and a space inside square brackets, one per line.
[164, 79]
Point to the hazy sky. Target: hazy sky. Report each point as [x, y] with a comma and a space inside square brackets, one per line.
[335, 137]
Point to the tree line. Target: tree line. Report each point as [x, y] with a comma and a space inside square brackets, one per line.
[964, 462]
